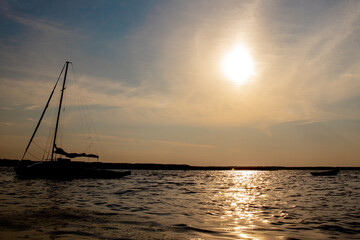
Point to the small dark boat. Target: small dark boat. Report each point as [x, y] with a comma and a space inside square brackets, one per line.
[332, 172]
[58, 167]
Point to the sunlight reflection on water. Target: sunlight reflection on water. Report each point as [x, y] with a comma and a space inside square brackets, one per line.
[183, 205]
[239, 201]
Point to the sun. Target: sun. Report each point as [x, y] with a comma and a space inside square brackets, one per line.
[238, 65]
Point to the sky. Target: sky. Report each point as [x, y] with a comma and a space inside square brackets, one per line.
[150, 76]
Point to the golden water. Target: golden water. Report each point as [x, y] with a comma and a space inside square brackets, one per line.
[183, 205]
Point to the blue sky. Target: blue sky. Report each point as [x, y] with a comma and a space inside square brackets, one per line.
[150, 72]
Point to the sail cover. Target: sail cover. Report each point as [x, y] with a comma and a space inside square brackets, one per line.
[73, 155]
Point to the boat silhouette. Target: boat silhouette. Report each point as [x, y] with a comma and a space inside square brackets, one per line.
[58, 167]
[332, 172]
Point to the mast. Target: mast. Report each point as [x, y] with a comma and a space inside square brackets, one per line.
[59, 110]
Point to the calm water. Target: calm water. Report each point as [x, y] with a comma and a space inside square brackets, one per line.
[183, 205]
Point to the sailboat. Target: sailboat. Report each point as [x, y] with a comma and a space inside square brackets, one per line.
[60, 166]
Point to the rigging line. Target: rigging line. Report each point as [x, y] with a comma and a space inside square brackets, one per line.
[40, 147]
[44, 151]
[59, 110]
[88, 146]
[43, 113]
[83, 116]
[84, 137]
[34, 156]
[98, 140]
[90, 126]
[87, 123]
[85, 120]
[62, 129]
[82, 113]
[50, 136]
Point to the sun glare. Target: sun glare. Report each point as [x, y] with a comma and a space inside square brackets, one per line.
[238, 65]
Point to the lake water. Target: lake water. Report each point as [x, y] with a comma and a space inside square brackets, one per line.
[285, 204]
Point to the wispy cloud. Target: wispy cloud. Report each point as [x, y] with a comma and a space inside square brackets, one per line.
[183, 144]
[31, 107]
[36, 24]
[25, 93]
[176, 59]
[38, 46]
[5, 124]
[311, 50]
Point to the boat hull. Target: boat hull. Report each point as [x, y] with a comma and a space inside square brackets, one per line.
[54, 170]
[333, 172]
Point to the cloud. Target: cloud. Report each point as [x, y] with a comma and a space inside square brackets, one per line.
[166, 71]
[182, 144]
[124, 140]
[159, 86]
[29, 93]
[31, 107]
[41, 25]
[310, 52]
[5, 124]
[37, 46]
[177, 55]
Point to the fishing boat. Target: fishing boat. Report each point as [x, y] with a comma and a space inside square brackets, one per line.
[332, 172]
[59, 165]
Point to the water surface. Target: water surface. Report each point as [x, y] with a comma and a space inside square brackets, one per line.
[155, 204]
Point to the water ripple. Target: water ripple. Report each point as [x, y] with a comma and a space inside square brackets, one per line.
[183, 205]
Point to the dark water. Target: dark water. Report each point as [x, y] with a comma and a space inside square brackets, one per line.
[183, 205]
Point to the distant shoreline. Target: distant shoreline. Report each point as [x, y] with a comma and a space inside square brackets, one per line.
[155, 166]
